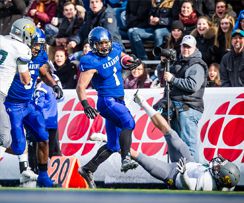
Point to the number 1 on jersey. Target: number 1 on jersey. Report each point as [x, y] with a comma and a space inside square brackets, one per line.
[117, 82]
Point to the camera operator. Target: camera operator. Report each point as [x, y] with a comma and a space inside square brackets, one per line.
[187, 80]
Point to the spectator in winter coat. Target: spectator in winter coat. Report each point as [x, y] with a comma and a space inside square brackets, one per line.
[10, 11]
[232, 63]
[99, 15]
[205, 34]
[65, 70]
[42, 12]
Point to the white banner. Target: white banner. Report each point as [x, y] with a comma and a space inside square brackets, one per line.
[221, 131]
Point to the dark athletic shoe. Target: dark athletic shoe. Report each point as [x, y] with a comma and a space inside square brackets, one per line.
[88, 176]
[128, 164]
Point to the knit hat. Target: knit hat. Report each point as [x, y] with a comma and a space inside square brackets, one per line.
[177, 24]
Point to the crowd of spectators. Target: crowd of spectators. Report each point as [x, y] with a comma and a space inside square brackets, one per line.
[164, 22]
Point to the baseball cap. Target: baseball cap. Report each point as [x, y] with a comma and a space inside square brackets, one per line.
[189, 40]
[237, 31]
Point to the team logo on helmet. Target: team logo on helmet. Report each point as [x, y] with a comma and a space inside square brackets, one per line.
[30, 29]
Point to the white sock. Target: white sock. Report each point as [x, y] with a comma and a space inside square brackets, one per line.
[2, 151]
[149, 110]
[23, 158]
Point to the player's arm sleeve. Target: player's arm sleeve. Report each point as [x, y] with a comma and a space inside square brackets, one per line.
[22, 64]
[46, 76]
[39, 97]
[187, 182]
[23, 70]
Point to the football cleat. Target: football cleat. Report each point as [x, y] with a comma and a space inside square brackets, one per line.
[138, 98]
[88, 176]
[127, 164]
[44, 180]
[28, 175]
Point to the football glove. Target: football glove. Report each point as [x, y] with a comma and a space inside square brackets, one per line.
[89, 111]
[58, 91]
[181, 165]
[130, 62]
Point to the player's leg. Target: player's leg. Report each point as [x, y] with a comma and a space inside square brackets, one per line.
[32, 149]
[54, 147]
[87, 170]
[16, 113]
[5, 137]
[115, 111]
[102, 154]
[36, 123]
[159, 169]
[176, 147]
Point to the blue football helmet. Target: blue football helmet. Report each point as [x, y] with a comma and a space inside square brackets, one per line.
[100, 41]
[38, 42]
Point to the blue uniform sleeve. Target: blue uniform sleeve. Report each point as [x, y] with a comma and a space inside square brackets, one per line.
[117, 46]
[88, 62]
[39, 97]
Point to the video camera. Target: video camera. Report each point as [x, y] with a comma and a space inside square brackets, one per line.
[169, 54]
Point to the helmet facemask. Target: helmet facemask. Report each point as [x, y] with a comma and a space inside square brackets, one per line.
[103, 47]
[38, 42]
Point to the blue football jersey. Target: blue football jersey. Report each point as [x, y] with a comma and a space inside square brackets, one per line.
[108, 81]
[23, 93]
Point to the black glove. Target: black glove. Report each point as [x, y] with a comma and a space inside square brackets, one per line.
[58, 91]
[133, 63]
[89, 111]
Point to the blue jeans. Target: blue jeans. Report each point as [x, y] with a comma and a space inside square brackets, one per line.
[138, 35]
[186, 125]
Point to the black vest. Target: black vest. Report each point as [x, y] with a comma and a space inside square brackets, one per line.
[193, 100]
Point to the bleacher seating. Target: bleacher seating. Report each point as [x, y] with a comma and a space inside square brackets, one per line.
[148, 45]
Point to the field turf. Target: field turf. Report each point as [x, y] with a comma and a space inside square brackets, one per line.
[60, 195]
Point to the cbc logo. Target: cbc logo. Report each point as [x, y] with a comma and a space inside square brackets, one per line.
[75, 129]
[223, 133]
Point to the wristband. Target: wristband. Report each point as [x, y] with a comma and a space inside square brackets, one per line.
[84, 103]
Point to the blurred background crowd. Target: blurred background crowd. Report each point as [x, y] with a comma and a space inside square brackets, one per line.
[139, 26]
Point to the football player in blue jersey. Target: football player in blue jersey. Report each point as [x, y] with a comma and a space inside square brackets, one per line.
[102, 67]
[23, 113]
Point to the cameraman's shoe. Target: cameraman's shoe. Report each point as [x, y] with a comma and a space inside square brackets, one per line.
[127, 164]
[138, 99]
[88, 176]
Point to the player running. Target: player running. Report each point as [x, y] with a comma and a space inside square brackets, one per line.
[23, 113]
[102, 67]
[14, 57]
